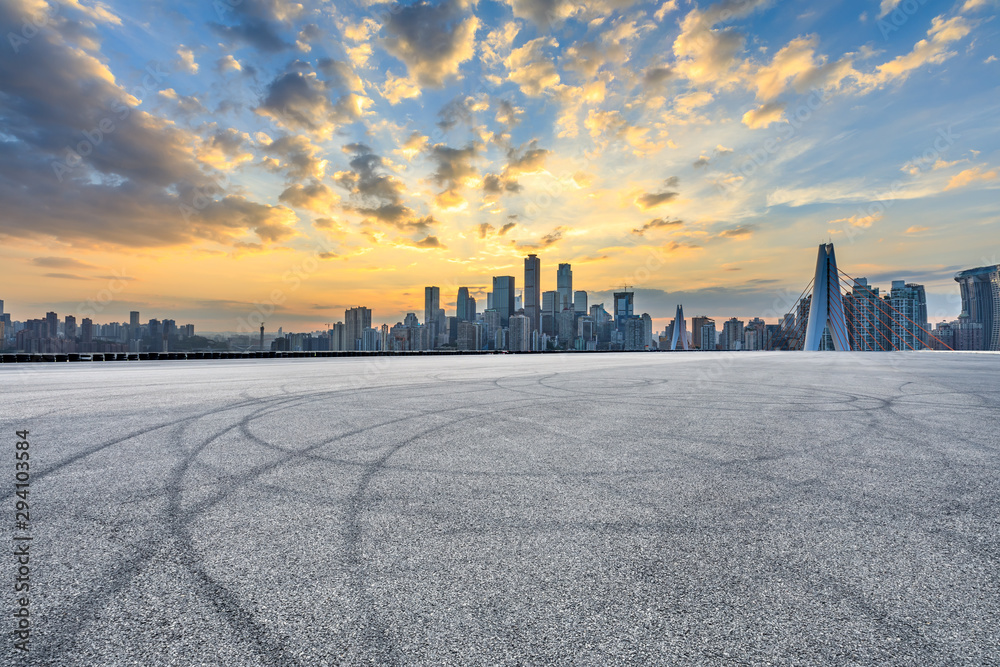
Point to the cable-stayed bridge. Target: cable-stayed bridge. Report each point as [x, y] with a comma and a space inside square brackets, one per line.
[836, 311]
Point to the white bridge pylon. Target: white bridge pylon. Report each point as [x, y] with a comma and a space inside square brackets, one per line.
[680, 330]
[826, 309]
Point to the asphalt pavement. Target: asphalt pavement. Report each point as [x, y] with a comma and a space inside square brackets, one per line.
[658, 508]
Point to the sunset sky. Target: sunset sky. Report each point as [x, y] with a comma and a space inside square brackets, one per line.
[205, 161]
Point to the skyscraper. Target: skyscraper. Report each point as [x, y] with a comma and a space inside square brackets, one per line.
[980, 290]
[708, 335]
[432, 303]
[867, 318]
[491, 320]
[564, 287]
[532, 290]
[503, 297]
[462, 305]
[580, 302]
[697, 322]
[624, 305]
[134, 328]
[69, 327]
[52, 323]
[908, 315]
[550, 301]
[356, 320]
[86, 330]
[520, 333]
[732, 334]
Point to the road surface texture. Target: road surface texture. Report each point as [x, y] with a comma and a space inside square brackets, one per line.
[687, 508]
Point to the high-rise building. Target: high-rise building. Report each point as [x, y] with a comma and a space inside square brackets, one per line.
[369, 340]
[69, 327]
[867, 324]
[980, 289]
[634, 334]
[550, 303]
[462, 305]
[564, 287]
[469, 335]
[519, 339]
[86, 330]
[356, 320]
[580, 302]
[470, 309]
[493, 324]
[134, 328]
[337, 336]
[532, 290]
[52, 323]
[503, 297]
[732, 334]
[432, 302]
[908, 315]
[697, 323]
[707, 337]
[566, 326]
[624, 302]
[754, 335]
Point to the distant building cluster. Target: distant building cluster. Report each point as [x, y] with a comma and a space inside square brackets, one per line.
[50, 335]
[560, 319]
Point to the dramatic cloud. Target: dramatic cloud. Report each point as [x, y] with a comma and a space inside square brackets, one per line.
[61, 263]
[650, 200]
[300, 100]
[428, 242]
[547, 13]
[970, 176]
[454, 171]
[315, 196]
[377, 196]
[657, 223]
[764, 115]
[295, 156]
[932, 50]
[257, 23]
[432, 40]
[532, 68]
[546, 241]
[738, 232]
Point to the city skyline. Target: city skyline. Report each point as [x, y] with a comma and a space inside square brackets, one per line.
[353, 154]
[835, 311]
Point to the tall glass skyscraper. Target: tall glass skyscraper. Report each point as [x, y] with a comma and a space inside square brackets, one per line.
[532, 290]
[564, 287]
[503, 297]
[623, 309]
[462, 305]
[981, 302]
